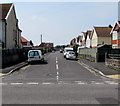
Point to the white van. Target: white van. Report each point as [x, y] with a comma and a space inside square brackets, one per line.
[35, 55]
[66, 50]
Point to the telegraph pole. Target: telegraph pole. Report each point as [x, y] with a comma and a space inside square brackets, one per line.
[41, 38]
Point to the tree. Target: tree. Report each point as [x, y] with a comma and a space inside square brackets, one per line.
[75, 47]
[31, 43]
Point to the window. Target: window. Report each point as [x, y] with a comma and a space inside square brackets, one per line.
[114, 36]
[33, 53]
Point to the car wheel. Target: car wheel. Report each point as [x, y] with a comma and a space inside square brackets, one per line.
[66, 58]
[42, 59]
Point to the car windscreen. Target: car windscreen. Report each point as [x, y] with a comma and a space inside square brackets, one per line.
[33, 53]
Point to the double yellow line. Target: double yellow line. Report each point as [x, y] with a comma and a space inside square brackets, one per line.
[1, 74]
[114, 76]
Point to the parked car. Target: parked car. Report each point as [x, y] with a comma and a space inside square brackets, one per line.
[35, 55]
[61, 51]
[66, 50]
[53, 51]
[70, 55]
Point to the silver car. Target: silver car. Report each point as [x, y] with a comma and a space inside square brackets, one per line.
[70, 55]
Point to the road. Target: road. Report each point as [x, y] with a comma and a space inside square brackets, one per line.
[59, 81]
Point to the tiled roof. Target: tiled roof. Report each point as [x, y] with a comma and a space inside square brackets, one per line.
[46, 45]
[103, 31]
[5, 9]
[23, 39]
[80, 38]
[84, 33]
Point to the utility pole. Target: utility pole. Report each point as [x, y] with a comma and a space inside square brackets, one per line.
[41, 38]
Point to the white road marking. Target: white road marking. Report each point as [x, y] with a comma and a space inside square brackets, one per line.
[33, 83]
[56, 58]
[57, 66]
[3, 83]
[57, 77]
[110, 82]
[80, 83]
[61, 82]
[16, 83]
[99, 83]
[77, 81]
[114, 83]
[56, 61]
[47, 83]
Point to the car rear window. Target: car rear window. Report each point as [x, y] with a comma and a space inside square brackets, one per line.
[71, 53]
[68, 50]
[33, 53]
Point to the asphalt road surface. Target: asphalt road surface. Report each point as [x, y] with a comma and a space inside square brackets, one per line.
[58, 81]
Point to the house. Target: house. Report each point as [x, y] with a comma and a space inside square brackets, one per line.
[84, 39]
[79, 40]
[9, 29]
[46, 45]
[73, 41]
[88, 39]
[115, 32]
[25, 42]
[100, 36]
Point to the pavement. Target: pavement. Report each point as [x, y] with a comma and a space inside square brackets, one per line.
[101, 68]
[9, 70]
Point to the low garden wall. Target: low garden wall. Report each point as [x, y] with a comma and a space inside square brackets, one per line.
[89, 54]
[97, 54]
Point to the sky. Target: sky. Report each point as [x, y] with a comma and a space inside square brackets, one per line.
[60, 22]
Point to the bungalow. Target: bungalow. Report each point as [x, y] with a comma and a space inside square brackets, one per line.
[9, 29]
[115, 32]
[100, 36]
[25, 42]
